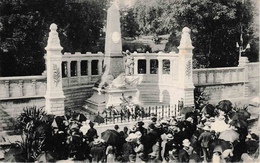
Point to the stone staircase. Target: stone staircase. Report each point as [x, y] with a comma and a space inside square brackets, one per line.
[148, 96]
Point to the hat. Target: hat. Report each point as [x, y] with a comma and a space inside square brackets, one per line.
[157, 125]
[207, 123]
[140, 123]
[154, 154]
[116, 127]
[138, 134]
[218, 149]
[186, 143]
[151, 126]
[164, 122]
[206, 128]
[200, 125]
[129, 139]
[154, 118]
[169, 136]
[133, 129]
[91, 123]
[189, 119]
[212, 119]
[97, 141]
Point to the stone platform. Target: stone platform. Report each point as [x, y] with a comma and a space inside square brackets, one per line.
[103, 98]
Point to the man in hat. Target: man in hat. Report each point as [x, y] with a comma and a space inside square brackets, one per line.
[92, 132]
[154, 156]
[128, 149]
[140, 128]
[204, 139]
[116, 127]
[190, 127]
[98, 151]
[149, 139]
[186, 151]
[169, 146]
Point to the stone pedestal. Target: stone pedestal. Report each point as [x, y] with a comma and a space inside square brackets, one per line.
[103, 98]
[185, 80]
[54, 94]
[114, 66]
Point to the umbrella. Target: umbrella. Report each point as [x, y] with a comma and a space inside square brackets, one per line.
[209, 109]
[110, 136]
[219, 126]
[225, 105]
[45, 157]
[58, 121]
[186, 110]
[97, 118]
[81, 117]
[229, 135]
[239, 123]
[220, 145]
[245, 113]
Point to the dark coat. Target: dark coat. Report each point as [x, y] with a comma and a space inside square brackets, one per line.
[205, 138]
[98, 153]
[91, 133]
[183, 156]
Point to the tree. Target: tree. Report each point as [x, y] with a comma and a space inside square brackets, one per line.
[129, 26]
[24, 27]
[215, 28]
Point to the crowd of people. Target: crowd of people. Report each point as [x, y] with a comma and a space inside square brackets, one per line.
[197, 136]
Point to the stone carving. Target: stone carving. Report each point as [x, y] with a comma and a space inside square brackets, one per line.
[129, 63]
[56, 74]
[53, 40]
[188, 69]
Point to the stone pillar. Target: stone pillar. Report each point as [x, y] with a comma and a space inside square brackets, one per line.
[243, 62]
[54, 98]
[185, 82]
[113, 61]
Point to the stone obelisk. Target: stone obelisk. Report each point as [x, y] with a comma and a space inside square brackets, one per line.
[113, 62]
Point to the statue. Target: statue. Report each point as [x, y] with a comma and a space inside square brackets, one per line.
[129, 63]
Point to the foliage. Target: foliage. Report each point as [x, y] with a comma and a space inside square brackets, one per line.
[136, 46]
[36, 132]
[129, 26]
[216, 27]
[68, 139]
[24, 27]
[201, 98]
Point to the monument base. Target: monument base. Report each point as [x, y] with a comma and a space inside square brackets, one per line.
[103, 98]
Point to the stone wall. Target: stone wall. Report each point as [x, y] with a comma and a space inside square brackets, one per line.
[77, 95]
[11, 109]
[253, 78]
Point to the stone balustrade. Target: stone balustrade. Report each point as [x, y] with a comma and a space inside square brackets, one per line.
[217, 76]
[81, 69]
[156, 67]
[22, 87]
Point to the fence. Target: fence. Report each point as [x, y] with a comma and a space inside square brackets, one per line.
[120, 116]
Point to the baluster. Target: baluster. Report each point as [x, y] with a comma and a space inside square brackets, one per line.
[113, 117]
[7, 88]
[175, 110]
[110, 116]
[156, 110]
[106, 117]
[162, 111]
[121, 115]
[169, 111]
[149, 111]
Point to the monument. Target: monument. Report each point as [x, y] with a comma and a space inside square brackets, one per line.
[114, 82]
